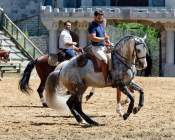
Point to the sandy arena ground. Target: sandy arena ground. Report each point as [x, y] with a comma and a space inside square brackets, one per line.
[23, 118]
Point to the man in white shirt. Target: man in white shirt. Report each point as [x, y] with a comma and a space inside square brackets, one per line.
[66, 42]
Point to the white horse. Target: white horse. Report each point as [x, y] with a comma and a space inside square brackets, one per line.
[76, 79]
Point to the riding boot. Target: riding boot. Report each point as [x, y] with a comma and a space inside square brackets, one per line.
[105, 71]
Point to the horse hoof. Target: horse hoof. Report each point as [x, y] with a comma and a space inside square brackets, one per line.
[125, 116]
[95, 123]
[45, 105]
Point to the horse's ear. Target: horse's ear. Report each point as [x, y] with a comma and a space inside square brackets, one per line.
[145, 37]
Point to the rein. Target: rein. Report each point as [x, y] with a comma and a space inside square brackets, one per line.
[138, 43]
[121, 67]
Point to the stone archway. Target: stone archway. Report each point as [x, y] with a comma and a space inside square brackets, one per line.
[159, 18]
[156, 52]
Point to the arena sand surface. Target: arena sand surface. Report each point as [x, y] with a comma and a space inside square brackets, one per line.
[23, 118]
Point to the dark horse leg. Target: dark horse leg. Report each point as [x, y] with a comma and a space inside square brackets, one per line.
[136, 87]
[40, 92]
[78, 108]
[43, 69]
[126, 91]
[75, 104]
[71, 105]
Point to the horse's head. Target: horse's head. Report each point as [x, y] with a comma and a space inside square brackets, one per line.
[132, 51]
[140, 51]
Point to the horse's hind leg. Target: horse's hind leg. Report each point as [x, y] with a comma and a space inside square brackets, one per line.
[71, 105]
[126, 91]
[76, 104]
[40, 92]
[78, 108]
[136, 87]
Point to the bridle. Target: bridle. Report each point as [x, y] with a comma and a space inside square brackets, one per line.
[134, 52]
[135, 49]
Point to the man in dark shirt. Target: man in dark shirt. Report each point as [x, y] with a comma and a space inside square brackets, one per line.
[99, 39]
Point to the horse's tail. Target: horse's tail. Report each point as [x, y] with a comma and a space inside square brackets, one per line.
[24, 81]
[54, 96]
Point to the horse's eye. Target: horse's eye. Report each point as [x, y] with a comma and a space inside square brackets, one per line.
[138, 50]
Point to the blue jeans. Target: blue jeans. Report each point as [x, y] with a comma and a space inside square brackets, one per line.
[70, 53]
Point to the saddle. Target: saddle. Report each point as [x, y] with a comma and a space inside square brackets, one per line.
[83, 59]
[62, 56]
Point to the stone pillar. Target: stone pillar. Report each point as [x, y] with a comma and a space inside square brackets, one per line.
[53, 40]
[169, 67]
[82, 26]
[53, 44]
[150, 3]
[108, 2]
[53, 35]
[169, 3]
[86, 3]
[60, 3]
[170, 47]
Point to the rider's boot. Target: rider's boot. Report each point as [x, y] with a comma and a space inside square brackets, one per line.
[105, 71]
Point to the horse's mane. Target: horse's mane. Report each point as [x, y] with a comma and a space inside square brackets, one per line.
[123, 41]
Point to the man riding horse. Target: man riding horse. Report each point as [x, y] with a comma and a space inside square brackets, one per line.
[99, 39]
[43, 64]
[66, 43]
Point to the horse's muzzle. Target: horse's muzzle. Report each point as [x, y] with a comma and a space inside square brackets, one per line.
[140, 65]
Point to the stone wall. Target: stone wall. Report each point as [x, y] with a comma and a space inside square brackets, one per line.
[33, 26]
[41, 42]
[169, 3]
[21, 9]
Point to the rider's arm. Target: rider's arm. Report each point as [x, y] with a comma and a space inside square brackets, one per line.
[94, 38]
[107, 41]
[68, 41]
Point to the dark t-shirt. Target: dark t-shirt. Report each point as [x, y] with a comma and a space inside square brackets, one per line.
[99, 30]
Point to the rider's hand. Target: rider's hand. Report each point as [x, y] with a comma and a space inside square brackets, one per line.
[108, 43]
[106, 37]
[74, 43]
[108, 46]
[77, 49]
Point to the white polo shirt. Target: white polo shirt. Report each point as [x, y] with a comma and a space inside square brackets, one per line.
[64, 38]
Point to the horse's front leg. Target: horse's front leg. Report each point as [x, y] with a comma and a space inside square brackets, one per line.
[136, 87]
[40, 92]
[126, 91]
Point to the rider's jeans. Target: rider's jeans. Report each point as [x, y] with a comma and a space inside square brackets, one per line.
[70, 52]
